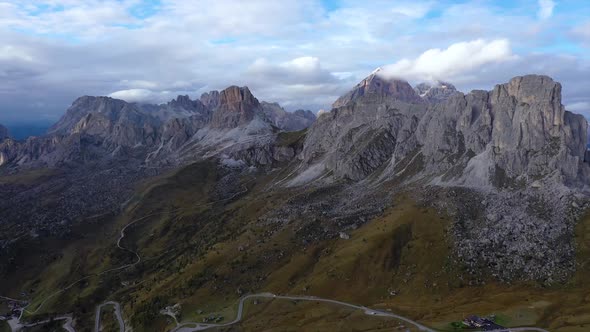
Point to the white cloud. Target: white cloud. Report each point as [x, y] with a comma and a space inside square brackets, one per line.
[302, 70]
[412, 9]
[142, 96]
[74, 18]
[140, 84]
[579, 107]
[219, 18]
[304, 64]
[582, 32]
[457, 59]
[545, 9]
[9, 52]
[307, 55]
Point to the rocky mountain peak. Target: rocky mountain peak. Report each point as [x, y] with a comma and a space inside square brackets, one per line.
[533, 89]
[82, 107]
[288, 121]
[234, 94]
[186, 104]
[307, 114]
[519, 131]
[435, 92]
[210, 99]
[376, 84]
[97, 103]
[237, 106]
[424, 87]
[181, 101]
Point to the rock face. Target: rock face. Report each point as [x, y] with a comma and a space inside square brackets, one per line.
[507, 162]
[517, 132]
[376, 86]
[436, 93]
[180, 131]
[356, 139]
[82, 106]
[237, 106]
[287, 121]
[306, 114]
[181, 107]
[210, 99]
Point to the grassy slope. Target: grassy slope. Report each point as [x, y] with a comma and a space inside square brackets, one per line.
[108, 320]
[282, 315]
[4, 327]
[28, 176]
[193, 257]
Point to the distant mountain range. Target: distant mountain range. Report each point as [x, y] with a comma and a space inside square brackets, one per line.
[179, 130]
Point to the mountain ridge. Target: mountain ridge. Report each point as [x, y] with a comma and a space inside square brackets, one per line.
[473, 192]
[116, 127]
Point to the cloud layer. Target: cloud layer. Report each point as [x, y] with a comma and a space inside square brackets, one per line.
[450, 63]
[302, 54]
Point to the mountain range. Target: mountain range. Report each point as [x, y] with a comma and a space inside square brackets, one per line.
[507, 167]
[102, 127]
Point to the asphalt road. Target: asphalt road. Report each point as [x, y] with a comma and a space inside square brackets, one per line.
[118, 314]
[191, 326]
[16, 326]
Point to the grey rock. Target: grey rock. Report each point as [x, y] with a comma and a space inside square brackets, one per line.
[237, 107]
[356, 139]
[510, 161]
[517, 133]
[210, 99]
[376, 86]
[436, 93]
[83, 106]
[181, 107]
[288, 121]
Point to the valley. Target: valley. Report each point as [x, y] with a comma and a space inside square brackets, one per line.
[337, 269]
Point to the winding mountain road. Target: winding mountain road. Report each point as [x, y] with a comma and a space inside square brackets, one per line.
[191, 326]
[194, 326]
[118, 314]
[121, 237]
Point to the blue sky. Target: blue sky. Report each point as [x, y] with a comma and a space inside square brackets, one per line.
[302, 54]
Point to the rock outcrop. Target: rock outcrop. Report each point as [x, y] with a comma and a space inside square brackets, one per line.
[237, 107]
[520, 131]
[85, 105]
[181, 107]
[375, 86]
[306, 114]
[210, 99]
[508, 163]
[231, 122]
[288, 121]
[437, 93]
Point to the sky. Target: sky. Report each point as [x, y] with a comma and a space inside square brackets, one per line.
[300, 53]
